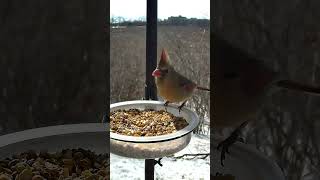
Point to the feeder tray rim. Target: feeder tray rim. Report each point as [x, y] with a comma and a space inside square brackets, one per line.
[193, 123]
[50, 131]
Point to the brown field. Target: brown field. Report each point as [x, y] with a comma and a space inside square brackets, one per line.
[189, 51]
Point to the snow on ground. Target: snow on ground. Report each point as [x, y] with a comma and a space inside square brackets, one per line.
[198, 169]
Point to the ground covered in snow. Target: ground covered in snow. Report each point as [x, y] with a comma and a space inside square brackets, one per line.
[198, 169]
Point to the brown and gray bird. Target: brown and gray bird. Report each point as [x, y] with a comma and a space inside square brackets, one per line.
[171, 85]
[240, 85]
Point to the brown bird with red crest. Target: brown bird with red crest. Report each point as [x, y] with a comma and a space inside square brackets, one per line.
[171, 85]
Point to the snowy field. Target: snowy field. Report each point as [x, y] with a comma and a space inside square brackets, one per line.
[197, 169]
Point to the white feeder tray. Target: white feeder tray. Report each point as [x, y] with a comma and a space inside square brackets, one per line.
[245, 163]
[88, 136]
[152, 147]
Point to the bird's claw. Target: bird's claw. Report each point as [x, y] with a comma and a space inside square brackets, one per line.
[179, 109]
[231, 140]
[234, 137]
[240, 139]
[165, 105]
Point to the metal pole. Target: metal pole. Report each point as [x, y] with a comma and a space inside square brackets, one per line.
[149, 169]
[151, 63]
[151, 49]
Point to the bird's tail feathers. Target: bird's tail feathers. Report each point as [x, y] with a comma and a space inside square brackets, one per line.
[203, 88]
[288, 84]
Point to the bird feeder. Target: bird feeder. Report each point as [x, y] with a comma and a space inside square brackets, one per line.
[151, 147]
[55, 139]
[245, 163]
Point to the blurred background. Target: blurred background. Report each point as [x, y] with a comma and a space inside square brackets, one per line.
[183, 30]
[286, 34]
[52, 63]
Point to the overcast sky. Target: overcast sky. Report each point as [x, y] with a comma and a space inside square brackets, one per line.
[133, 9]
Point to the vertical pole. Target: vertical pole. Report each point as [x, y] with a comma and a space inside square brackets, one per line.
[151, 49]
[151, 63]
[149, 169]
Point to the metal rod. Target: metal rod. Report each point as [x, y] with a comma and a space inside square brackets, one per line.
[151, 49]
[149, 169]
[151, 64]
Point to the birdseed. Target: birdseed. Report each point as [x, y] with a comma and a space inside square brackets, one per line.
[135, 122]
[66, 164]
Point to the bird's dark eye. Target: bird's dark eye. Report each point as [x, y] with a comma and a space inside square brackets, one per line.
[230, 75]
[165, 71]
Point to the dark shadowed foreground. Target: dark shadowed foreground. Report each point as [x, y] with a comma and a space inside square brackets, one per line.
[52, 63]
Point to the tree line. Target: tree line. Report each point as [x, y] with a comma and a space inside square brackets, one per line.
[173, 20]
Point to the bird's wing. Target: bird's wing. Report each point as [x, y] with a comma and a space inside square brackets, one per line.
[186, 83]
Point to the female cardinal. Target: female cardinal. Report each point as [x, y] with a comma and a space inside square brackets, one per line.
[171, 85]
[240, 84]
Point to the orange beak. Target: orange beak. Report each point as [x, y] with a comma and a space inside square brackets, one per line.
[157, 73]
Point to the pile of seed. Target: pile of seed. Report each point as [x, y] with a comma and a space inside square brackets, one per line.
[135, 122]
[76, 164]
